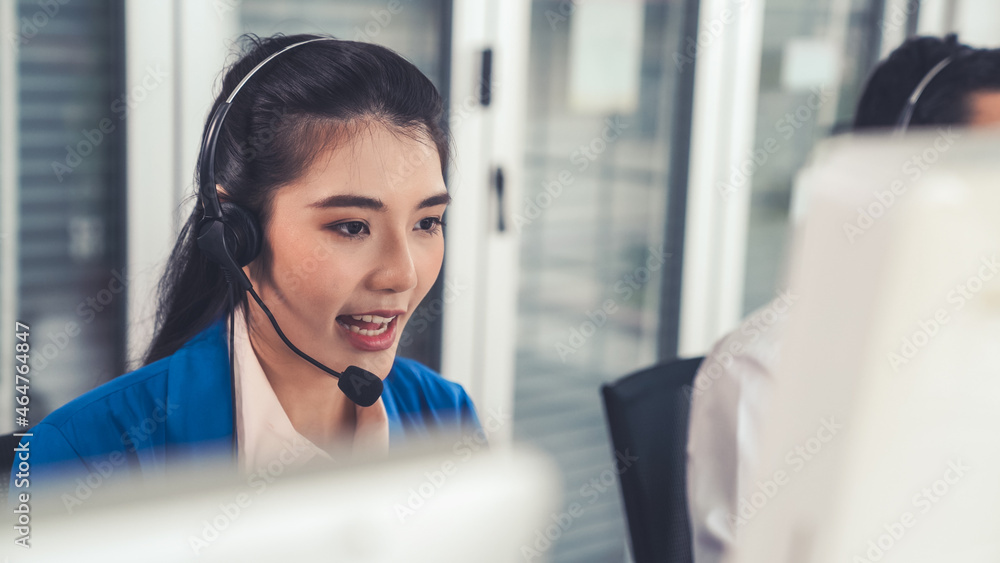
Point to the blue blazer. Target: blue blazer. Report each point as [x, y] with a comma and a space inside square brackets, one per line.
[180, 408]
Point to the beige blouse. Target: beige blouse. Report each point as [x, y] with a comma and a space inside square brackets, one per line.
[265, 435]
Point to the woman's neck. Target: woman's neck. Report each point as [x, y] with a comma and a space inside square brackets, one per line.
[316, 407]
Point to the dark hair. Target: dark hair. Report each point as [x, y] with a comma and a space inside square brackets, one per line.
[945, 101]
[290, 111]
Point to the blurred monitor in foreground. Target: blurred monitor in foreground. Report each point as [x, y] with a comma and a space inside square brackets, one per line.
[882, 443]
[435, 508]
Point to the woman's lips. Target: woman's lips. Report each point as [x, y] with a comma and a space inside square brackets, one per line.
[371, 333]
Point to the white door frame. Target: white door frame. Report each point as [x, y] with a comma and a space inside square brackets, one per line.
[722, 134]
[481, 268]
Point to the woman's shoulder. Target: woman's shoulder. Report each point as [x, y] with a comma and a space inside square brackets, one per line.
[420, 398]
[179, 385]
[413, 380]
[142, 384]
[98, 426]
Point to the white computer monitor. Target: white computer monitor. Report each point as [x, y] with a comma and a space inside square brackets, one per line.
[425, 507]
[882, 441]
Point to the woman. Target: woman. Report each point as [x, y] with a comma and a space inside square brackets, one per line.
[328, 164]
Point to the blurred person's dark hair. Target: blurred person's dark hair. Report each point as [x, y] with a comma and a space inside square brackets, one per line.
[282, 119]
[944, 100]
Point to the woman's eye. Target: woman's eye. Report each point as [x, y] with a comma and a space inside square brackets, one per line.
[430, 225]
[351, 229]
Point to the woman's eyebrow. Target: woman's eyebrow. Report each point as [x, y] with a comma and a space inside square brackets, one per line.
[442, 198]
[348, 200]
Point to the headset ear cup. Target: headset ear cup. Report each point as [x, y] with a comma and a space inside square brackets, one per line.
[243, 236]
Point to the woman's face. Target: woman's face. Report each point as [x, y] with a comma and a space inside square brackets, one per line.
[984, 108]
[356, 243]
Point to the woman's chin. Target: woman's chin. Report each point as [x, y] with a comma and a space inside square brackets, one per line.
[378, 362]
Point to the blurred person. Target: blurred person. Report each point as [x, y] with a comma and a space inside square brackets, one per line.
[953, 84]
[330, 161]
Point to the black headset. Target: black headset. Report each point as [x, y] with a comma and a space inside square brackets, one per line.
[230, 236]
[911, 103]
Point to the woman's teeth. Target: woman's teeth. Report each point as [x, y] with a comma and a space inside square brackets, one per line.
[372, 319]
[365, 332]
[369, 319]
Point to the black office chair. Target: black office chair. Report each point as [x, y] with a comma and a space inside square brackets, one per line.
[647, 415]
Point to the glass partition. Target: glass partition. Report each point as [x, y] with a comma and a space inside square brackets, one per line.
[72, 280]
[815, 58]
[601, 92]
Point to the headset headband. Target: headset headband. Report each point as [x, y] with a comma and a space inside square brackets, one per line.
[209, 193]
[911, 103]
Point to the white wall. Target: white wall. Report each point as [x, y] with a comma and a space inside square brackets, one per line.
[185, 44]
[977, 22]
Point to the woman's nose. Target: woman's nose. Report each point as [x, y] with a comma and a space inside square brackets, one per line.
[394, 267]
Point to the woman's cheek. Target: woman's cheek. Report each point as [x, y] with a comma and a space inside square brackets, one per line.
[429, 274]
